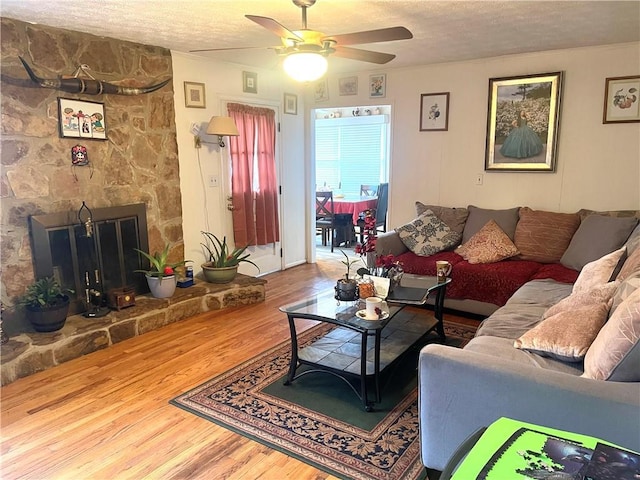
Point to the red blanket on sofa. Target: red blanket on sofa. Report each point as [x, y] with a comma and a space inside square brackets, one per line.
[489, 282]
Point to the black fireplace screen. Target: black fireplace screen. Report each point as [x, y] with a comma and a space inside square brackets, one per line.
[100, 258]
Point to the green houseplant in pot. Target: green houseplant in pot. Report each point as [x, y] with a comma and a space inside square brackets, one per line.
[46, 304]
[347, 287]
[223, 262]
[161, 276]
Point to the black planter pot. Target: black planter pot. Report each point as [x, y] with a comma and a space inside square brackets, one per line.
[49, 318]
[346, 290]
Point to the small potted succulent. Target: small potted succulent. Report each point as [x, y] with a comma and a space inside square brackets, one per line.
[347, 288]
[223, 262]
[161, 277]
[46, 304]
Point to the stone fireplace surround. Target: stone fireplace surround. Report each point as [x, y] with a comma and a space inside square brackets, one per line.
[31, 352]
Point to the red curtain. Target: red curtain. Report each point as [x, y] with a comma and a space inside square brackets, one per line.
[253, 180]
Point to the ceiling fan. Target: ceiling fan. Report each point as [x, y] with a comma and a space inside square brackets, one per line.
[306, 45]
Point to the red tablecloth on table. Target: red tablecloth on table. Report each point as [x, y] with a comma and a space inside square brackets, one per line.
[353, 205]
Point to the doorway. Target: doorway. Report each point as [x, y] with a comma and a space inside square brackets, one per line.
[351, 148]
[267, 256]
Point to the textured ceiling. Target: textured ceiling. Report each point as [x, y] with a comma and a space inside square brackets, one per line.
[444, 31]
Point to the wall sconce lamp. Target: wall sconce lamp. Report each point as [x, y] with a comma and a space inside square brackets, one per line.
[221, 126]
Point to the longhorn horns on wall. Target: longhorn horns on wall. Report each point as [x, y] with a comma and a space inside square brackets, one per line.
[89, 86]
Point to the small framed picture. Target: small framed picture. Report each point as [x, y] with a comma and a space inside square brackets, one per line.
[377, 85]
[622, 100]
[348, 86]
[81, 119]
[249, 82]
[434, 112]
[194, 95]
[321, 90]
[290, 103]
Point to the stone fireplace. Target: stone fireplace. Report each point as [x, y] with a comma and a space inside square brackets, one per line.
[91, 251]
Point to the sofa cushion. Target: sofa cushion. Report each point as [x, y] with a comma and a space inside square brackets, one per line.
[615, 353]
[593, 296]
[544, 236]
[455, 218]
[596, 236]
[478, 218]
[503, 349]
[597, 272]
[490, 244]
[427, 235]
[566, 335]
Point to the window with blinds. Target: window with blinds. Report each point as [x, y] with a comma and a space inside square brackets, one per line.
[351, 152]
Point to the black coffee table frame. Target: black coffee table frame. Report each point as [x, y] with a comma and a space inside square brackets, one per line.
[353, 330]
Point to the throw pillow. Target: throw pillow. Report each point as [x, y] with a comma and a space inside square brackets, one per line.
[455, 218]
[544, 236]
[615, 353]
[631, 265]
[625, 288]
[489, 245]
[427, 235]
[598, 294]
[596, 236]
[478, 218]
[567, 335]
[597, 272]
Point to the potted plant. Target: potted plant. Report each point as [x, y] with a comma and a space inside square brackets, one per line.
[46, 304]
[161, 278]
[347, 288]
[222, 265]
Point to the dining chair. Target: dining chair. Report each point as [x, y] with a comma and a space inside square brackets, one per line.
[368, 190]
[380, 212]
[325, 218]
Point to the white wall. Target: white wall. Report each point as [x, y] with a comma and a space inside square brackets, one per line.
[204, 207]
[598, 166]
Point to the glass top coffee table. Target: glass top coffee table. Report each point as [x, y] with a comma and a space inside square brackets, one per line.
[360, 348]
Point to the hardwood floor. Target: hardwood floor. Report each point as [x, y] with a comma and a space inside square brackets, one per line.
[106, 415]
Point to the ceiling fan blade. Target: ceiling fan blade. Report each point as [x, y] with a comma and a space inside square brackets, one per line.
[372, 36]
[229, 48]
[363, 55]
[275, 27]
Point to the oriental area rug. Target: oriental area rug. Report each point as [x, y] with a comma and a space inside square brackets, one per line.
[317, 418]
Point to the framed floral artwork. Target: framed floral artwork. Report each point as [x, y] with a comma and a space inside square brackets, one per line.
[321, 90]
[434, 112]
[621, 100]
[522, 123]
[377, 85]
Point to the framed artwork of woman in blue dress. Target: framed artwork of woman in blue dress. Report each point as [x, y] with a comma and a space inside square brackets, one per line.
[522, 123]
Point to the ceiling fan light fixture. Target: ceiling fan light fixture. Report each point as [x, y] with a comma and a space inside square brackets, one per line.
[305, 66]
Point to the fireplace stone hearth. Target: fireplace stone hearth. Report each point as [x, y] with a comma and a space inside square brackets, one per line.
[31, 352]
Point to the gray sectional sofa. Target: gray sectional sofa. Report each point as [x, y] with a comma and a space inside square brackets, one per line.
[461, 390]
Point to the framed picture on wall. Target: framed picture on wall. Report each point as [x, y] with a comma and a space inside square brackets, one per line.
[81, 119]
[249, 82]
[522, 123]
[194, 95]
[434, 112]
[377, 85]
[348, 86]
[621, 100]
[290, 103]
[321, 90]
